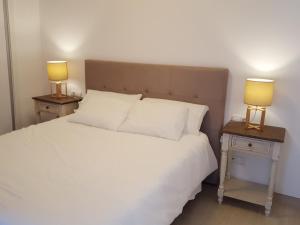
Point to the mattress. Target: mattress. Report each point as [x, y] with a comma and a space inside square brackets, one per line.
[62, 173]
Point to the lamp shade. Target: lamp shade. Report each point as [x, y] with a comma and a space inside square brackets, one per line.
[259, 92]
[57, 70]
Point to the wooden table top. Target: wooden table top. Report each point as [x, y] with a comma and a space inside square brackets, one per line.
[60, 101]
[270, 133]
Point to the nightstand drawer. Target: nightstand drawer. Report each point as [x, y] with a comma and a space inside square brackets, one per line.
[58, 106]
[48, 107]
[249, 144]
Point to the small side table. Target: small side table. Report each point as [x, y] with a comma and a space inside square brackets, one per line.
[60, 107]
[250, 142]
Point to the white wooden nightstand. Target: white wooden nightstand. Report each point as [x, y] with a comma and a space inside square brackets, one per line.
[258, 143]
[58, 106]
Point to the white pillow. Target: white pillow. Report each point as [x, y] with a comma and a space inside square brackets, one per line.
[102, 111]
[195, 115]
[156, 119]
[131, 98]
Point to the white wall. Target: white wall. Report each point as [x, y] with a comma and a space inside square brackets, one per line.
[5, 111]
[27, 60]
[251, 38]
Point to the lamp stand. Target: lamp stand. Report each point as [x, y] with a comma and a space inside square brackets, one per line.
[58, 90]
[250, 125]
[58, 87]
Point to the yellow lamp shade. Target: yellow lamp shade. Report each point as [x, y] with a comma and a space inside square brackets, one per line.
[259, 92]
[57, 70]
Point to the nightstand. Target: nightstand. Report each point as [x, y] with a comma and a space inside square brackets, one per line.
[58, 106]
[252, 142]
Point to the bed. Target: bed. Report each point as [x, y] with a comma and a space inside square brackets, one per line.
[65, 173]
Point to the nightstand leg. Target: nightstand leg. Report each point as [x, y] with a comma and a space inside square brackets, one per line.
[224, 157]
[268, 205]
[275, 158]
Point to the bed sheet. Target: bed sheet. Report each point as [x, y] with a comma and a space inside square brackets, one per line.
[62, 173]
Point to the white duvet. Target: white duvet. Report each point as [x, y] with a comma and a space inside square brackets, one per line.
[61, 173]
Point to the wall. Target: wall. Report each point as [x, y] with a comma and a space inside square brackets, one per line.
[27, 62]
[5, 112]
[251, 38]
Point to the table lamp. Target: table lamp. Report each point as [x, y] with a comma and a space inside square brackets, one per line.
[258, 95]
[57, 73]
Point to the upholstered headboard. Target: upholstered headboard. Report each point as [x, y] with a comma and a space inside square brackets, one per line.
[191, 84]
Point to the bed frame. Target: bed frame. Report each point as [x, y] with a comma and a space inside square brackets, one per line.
[191, 84]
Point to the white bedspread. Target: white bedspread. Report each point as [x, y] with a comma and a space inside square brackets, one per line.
[60, 173]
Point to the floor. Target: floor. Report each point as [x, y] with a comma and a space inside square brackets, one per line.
[205, 210]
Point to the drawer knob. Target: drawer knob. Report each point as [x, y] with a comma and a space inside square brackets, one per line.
[47, 107]
[250, 145]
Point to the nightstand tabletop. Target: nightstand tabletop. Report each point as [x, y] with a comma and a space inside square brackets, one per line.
[60, 101]
[269, 133]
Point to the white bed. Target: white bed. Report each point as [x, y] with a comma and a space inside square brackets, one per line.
[62, 173]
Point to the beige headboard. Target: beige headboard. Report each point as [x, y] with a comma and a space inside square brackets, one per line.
[191, 84]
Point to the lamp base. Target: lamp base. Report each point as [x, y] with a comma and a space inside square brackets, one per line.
[58, 87]
[260, 126]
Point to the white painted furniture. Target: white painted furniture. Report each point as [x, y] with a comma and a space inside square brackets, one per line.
[252, 142]
[58, 106]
